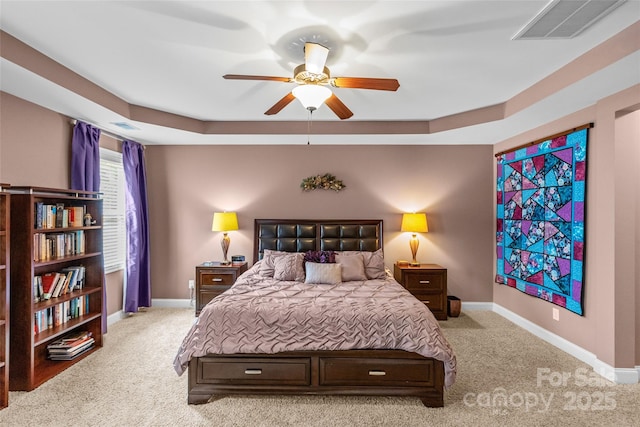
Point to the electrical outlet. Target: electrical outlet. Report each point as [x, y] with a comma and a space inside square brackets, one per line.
[192, 284]
[556, 314]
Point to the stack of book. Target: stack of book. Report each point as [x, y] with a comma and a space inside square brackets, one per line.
[71, 346]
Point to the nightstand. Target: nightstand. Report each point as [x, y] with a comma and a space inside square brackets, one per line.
[212, 280]
[428, 283]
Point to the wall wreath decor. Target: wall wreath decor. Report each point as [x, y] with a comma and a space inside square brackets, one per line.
[322, 182]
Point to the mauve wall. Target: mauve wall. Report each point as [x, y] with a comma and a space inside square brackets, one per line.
[35, 150]
[609, 327]
[451, 183]
[628, 135]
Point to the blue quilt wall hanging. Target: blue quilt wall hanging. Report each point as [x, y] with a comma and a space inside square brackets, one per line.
[540, 219]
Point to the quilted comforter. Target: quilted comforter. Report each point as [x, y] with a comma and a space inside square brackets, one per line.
[263, 315]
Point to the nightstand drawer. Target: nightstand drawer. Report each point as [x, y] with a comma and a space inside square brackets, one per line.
[205, 296]
[217, 279]
[419, 281]
[428, 283]
[433, 301]
[383, 372]
[211, 281]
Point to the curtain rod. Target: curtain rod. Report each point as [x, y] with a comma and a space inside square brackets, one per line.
[537, 141]
[106, 132]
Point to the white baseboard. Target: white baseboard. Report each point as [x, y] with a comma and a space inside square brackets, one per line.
[470, 306]
[114, 317]
[171, 303]
[616, 375]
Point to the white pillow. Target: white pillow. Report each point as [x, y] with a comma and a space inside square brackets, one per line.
[317, 273]
[352, 267]
[289, 267]
[373, 262]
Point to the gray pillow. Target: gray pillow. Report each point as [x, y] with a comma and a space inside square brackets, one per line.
[317, 273]
[373, 262]
[352, 267]
[289, 267]
[268, 259]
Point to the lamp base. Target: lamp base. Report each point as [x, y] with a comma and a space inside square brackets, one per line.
[413, 244]
[226, 241]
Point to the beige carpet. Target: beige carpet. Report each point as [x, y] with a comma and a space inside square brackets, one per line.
[131, 382]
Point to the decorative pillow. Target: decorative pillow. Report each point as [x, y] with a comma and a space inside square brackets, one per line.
[268, 259]
[289, 267]
[317, 273]
[352, 267]
[320, 256]
[373, 262]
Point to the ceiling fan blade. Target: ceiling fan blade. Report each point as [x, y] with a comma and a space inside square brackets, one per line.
[246, 77]
[365, 83]
[338, 107]
[280, 104]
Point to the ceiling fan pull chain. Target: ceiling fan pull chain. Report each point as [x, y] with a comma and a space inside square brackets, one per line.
[309, 118]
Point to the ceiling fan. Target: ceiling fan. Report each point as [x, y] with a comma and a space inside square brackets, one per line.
[312, 79]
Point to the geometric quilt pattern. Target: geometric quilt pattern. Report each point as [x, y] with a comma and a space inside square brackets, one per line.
[540, 219]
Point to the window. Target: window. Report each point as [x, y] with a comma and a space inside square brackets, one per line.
[113, 215]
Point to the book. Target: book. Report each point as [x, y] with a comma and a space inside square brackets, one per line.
[59, 210]
[71, 346]
[70, 340]
[73, 281]
[77, 216]
[48, 282]
[71, 356]
[39, 215]
[60, 279]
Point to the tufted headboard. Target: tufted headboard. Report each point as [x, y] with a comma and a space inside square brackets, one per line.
[301, 235]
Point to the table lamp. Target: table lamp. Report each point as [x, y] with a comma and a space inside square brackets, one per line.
[225, 221]
[414, 223]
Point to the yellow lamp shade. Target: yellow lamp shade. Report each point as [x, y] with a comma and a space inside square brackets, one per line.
[414, 223]
[224, 221]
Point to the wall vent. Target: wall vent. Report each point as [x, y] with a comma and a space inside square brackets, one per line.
[564, 19]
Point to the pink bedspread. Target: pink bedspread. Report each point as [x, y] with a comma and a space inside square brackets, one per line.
[259, 315]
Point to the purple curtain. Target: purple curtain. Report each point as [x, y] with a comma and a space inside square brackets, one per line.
[138, 277]
[85, 157]
[85, 175]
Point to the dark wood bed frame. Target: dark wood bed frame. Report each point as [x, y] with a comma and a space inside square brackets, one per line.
[349, 372]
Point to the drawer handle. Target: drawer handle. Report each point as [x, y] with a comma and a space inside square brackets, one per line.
[216, 279]
[377, 373]
[253, 371]
[427, 302]
[424, 282]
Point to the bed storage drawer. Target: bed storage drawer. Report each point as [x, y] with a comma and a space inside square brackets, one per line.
[382, 372]
[254, 371]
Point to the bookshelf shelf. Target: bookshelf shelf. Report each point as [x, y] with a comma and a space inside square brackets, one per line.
[49, 335]
[34, 249]
[5, 213]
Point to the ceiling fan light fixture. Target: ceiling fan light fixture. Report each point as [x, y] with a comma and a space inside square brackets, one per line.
[315, 56]
[311, 96]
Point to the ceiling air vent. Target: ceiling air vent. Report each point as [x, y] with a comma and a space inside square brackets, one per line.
[564, 19]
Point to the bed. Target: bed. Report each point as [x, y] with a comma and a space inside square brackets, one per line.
[274, 333]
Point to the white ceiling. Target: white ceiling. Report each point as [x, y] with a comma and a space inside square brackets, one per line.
[449, 57]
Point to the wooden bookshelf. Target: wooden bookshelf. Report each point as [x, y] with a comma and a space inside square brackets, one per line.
[30, 365]
[4, 294]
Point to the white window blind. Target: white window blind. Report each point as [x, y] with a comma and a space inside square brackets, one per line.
[113, 215]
